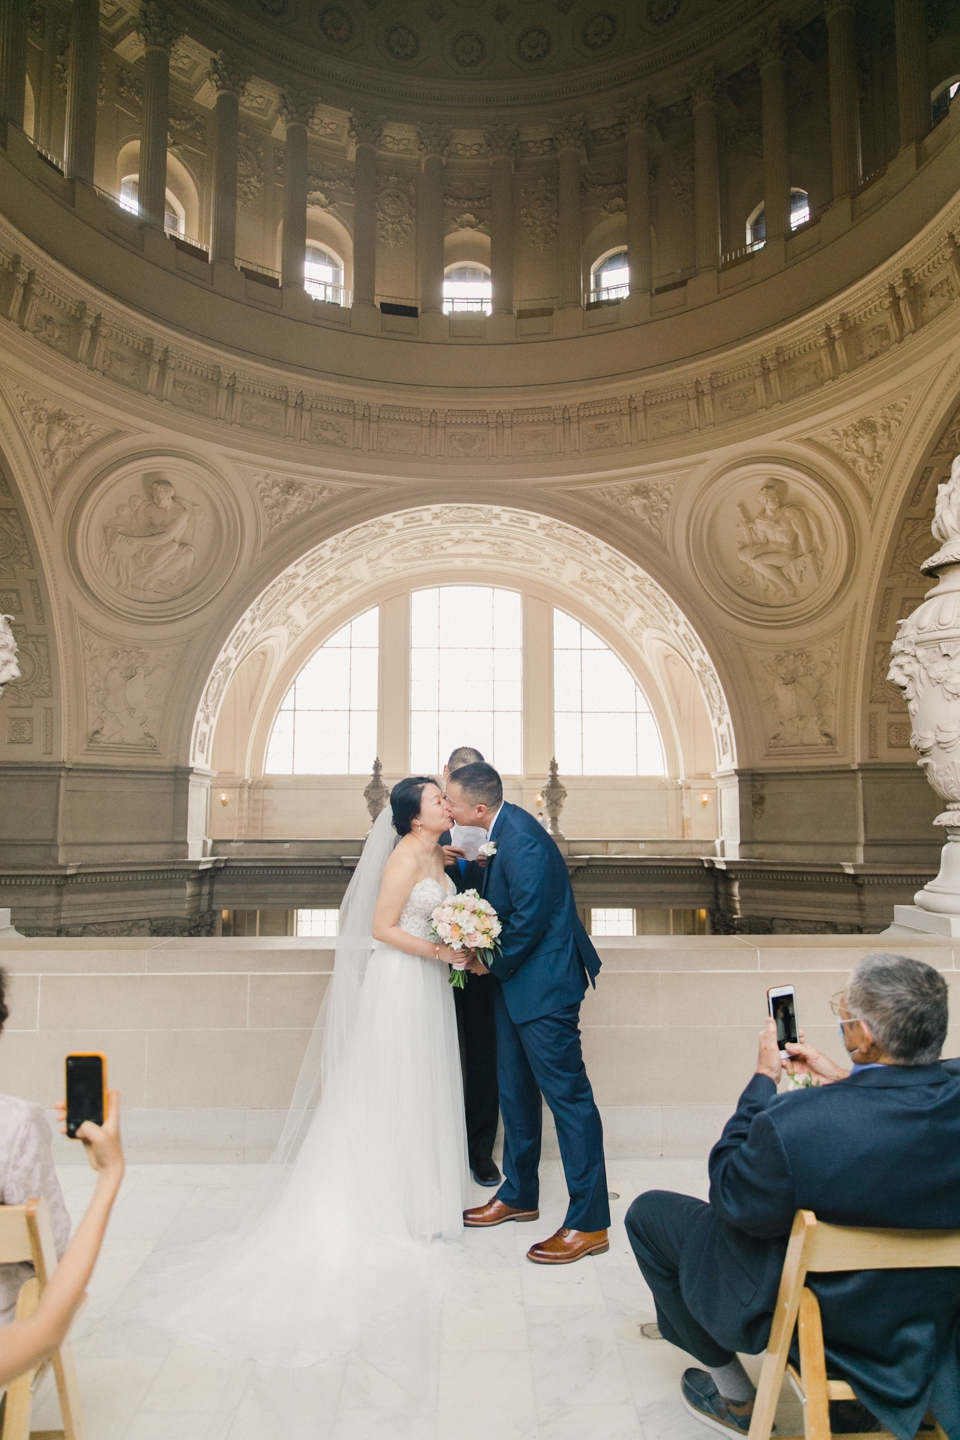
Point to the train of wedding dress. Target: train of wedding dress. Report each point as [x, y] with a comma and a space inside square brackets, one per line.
[372, 1165]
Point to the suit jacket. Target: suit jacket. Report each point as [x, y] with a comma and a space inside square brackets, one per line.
[546, 954]
[881, 1148]
[470, 878]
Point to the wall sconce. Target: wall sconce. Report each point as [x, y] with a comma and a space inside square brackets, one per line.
[223, 798]
[704, 799]
[538, 800]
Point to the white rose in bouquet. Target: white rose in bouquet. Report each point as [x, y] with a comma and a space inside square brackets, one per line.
[465, 922]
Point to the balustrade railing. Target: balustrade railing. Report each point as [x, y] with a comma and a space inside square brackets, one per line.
[329, 294]
[736, 257]
[459, 305]
[607, 295]
[535, 309]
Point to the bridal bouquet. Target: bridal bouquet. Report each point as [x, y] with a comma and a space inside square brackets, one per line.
[465, 922]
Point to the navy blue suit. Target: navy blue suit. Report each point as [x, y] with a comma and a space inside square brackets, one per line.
[881, 1148]
[541, 976]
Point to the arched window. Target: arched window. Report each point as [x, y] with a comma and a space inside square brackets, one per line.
[174, 215]
[799, 215]
[327, 724]
[603, 724]
[466, 676]
[942, 98]
[610, 278]
[467, 287]
[323, 274]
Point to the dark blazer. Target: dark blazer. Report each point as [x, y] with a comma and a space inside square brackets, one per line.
[546, 954]
[881, 1148]
[470, 878]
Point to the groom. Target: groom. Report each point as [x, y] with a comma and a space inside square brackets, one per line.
[540, 977]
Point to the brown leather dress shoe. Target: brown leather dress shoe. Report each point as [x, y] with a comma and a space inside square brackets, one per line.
[495, 1213]
[569, 1245]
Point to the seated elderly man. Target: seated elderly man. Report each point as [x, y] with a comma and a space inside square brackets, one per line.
[877, 1145]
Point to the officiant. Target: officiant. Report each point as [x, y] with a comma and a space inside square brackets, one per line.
[476, 1022]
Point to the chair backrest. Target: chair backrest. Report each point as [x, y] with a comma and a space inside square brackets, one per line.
[844, 1247]
[26, 1235]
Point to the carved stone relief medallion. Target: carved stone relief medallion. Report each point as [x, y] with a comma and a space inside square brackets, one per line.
[156, 538]
[770, 543]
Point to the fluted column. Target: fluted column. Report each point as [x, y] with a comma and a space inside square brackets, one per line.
[229, 81]
[776, 159]
[706, 169]
[844, 97]
[296, 109]
[569, 133]
[434, 142]
[365, 131]
[502, 147]
[13, 59]
[637, 118]
[913, 81]
[80, 140]
[159, 32]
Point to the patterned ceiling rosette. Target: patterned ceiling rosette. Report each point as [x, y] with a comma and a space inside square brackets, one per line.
[534, 45]
[771, 543]
[660, 11]
[598, 31]
[402, 42]
[335, 25]
[468, 50]
[278, 9]
[156, 537]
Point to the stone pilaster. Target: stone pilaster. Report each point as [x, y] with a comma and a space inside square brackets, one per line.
[776, 158]
[80, 141]
[229, 81]
[913, 81]
[569, 133]
[706, 169]
[365, 131]
[159, 32]
[295, 109]
[434, 142]
[13, 59]
[502, 147]
[637, 117]
[844, 97]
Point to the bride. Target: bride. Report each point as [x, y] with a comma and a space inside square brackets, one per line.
[372, 1164]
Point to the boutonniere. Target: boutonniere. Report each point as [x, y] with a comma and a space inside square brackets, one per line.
[488, 850]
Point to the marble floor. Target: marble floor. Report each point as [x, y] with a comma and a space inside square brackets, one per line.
[537, 1353]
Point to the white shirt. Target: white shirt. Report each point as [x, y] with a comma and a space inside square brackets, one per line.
[493, 822]
[26, 1170]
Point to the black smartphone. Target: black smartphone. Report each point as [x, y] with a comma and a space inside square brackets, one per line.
[86, 1089]
[782, 1004]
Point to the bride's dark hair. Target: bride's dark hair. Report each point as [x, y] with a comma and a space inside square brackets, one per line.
[406, 798]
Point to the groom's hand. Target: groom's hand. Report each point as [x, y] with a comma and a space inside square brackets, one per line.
[475, 965]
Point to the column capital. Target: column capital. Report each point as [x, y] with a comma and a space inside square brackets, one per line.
[638, 114]
[433, 138]
[366, 127]
[705, 87]
[157, 27]
[227, 74]
[771, 46]
[570, 132]
[837, 7]
[501, 141]
[296, 106]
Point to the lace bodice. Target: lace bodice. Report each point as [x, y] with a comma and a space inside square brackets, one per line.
[423, 899]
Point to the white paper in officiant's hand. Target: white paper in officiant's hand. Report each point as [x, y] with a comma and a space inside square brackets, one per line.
[469, 838]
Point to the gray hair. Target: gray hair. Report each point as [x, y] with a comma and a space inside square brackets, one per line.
[904, 1002]
[464, 755]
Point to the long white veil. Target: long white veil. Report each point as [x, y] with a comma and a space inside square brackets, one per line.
[338, 1009]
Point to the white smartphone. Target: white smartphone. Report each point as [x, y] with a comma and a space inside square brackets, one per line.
[782, 1005]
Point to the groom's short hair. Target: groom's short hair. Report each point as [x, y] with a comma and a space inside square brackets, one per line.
[480, 783]
[464, 755]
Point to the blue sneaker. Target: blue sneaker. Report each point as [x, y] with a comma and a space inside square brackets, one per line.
[702, 1398]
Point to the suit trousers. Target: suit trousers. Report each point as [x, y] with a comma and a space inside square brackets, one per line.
[543, 1057]
[477, 1024]
[658, 1224]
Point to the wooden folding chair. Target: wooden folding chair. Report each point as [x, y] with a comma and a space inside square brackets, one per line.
[818, 1247]
[25, 1235]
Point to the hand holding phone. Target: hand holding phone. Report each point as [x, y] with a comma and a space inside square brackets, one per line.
[782, 1006]
[86, 1089]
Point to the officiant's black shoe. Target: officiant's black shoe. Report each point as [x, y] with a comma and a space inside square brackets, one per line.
[496, 1213]
[485, 1172]
[569, 1245]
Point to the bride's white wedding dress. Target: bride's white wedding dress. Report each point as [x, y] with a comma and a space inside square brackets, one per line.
[381, 1171]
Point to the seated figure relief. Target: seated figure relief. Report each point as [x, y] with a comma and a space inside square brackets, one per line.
[781, 547]
[148, 546]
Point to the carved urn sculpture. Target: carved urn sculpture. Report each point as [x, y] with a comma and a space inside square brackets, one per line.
[375, 791]
[9, 669]
[926, 666]
[554, 794]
